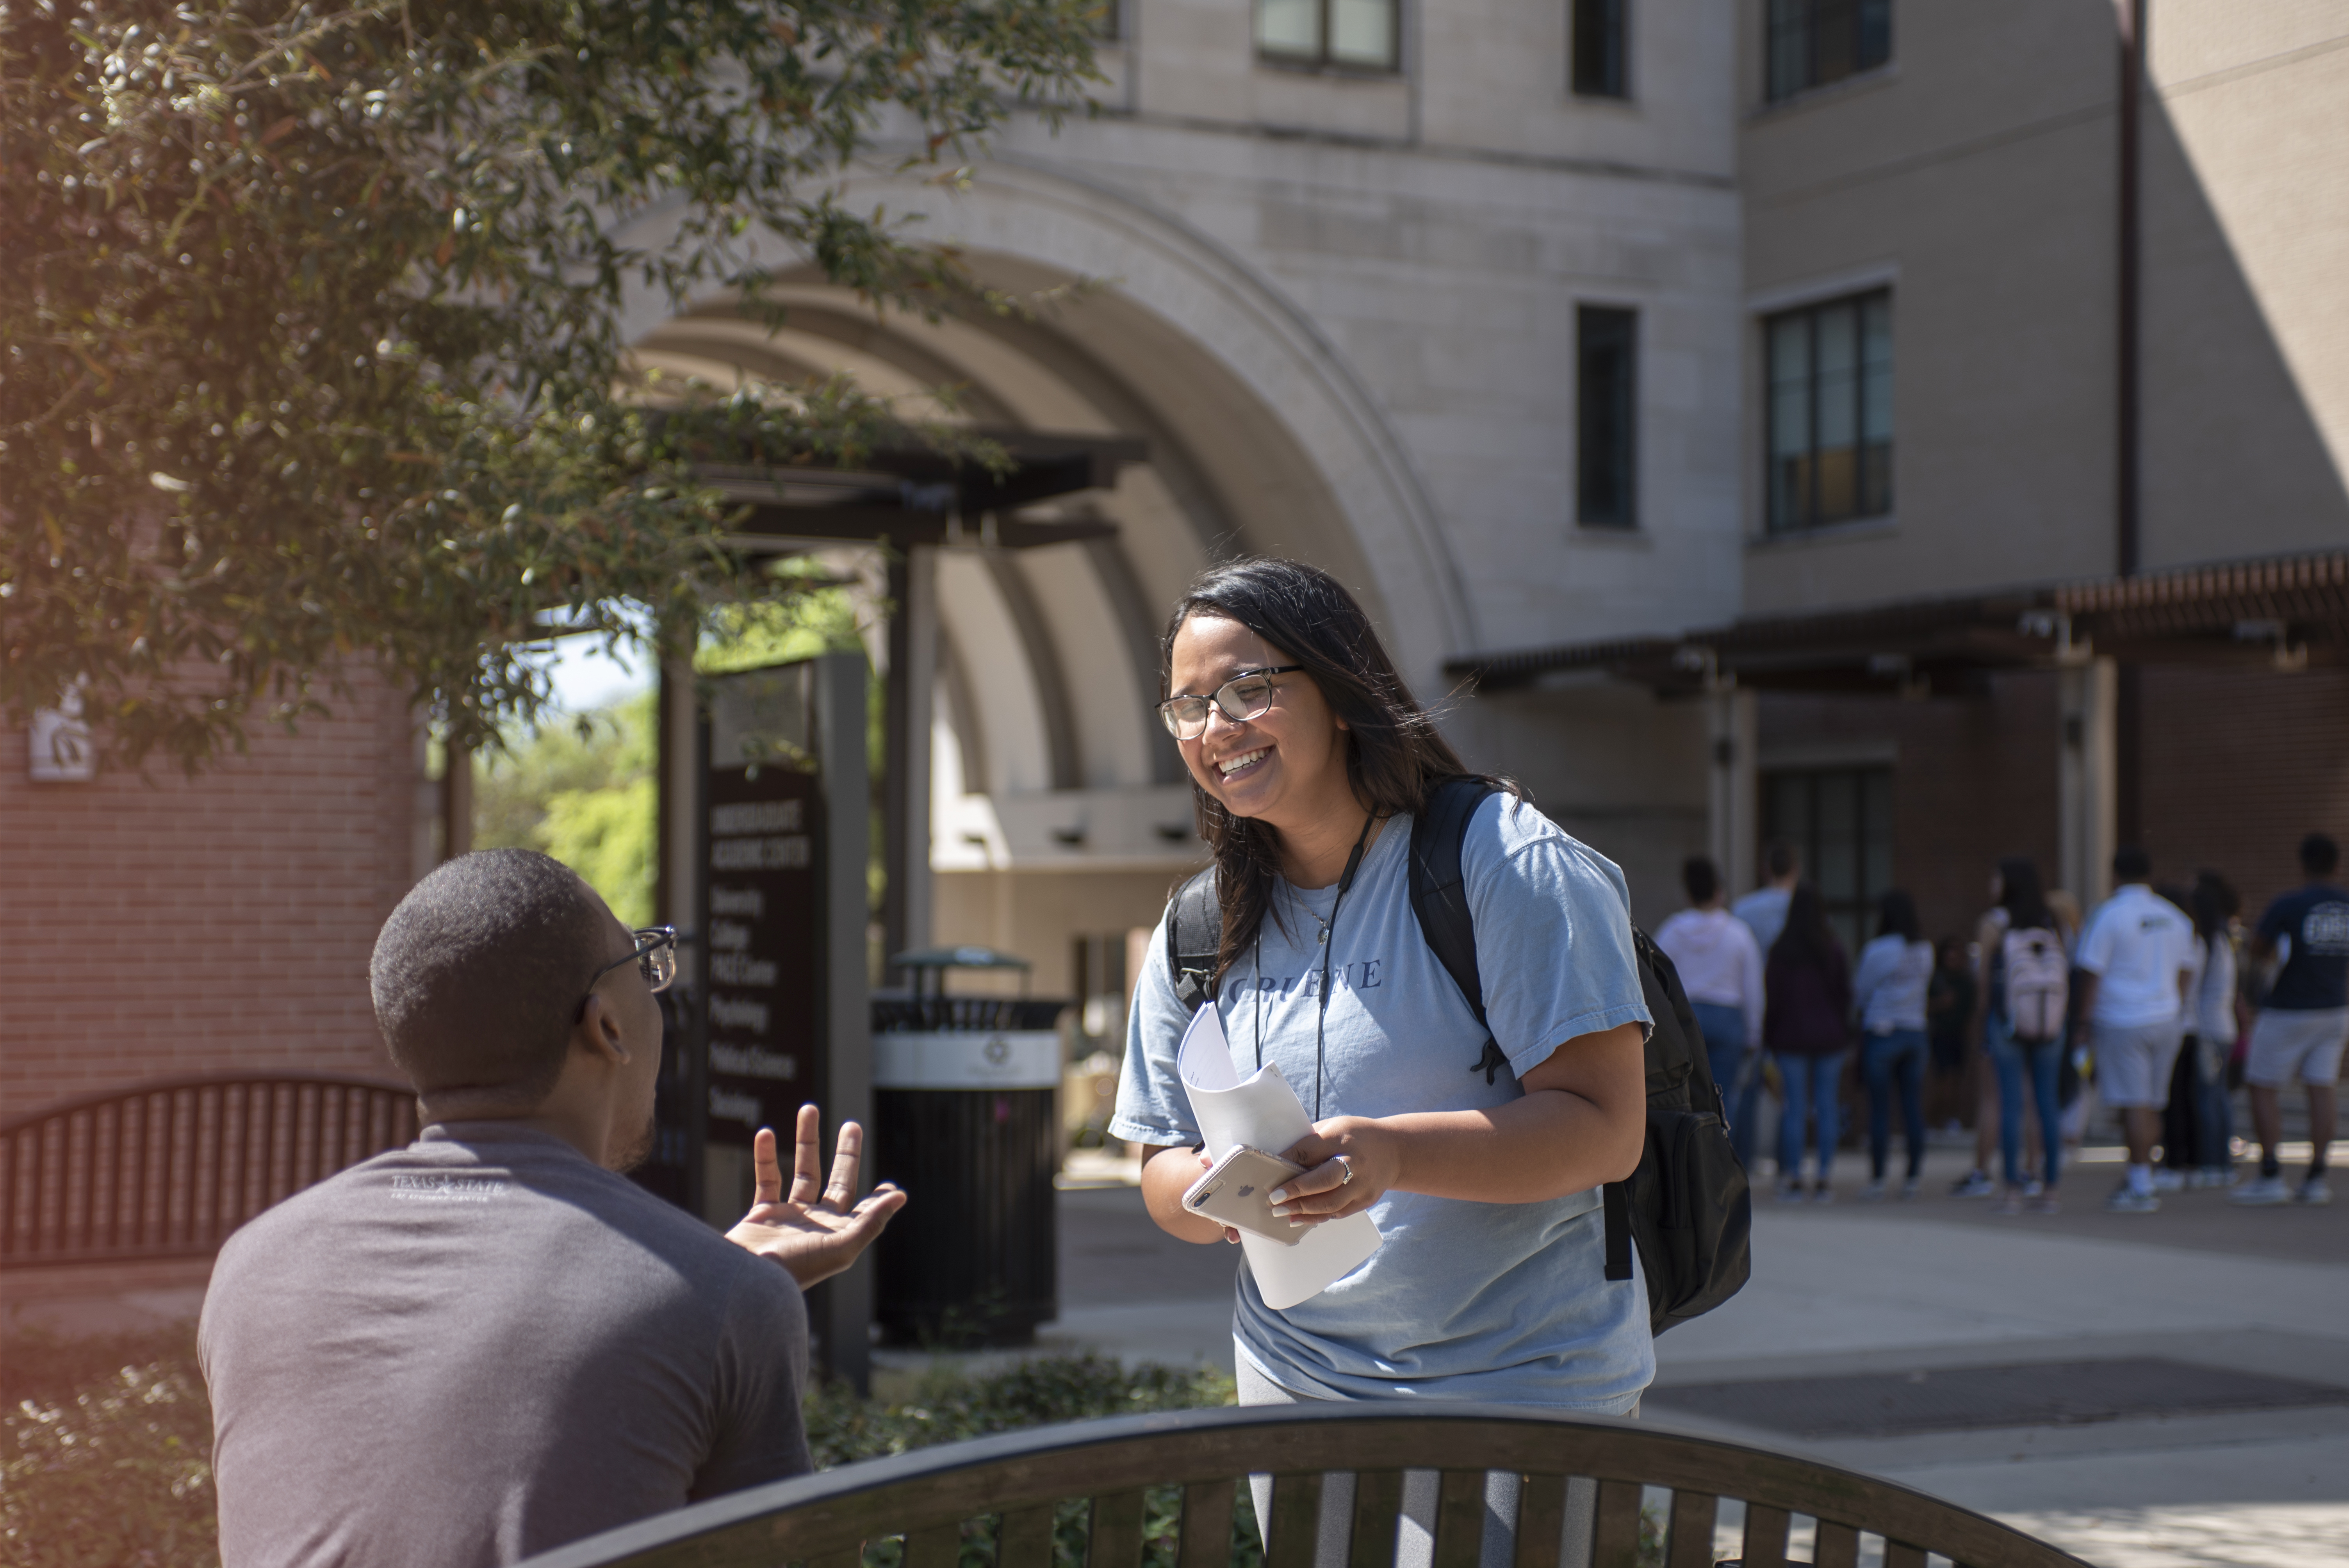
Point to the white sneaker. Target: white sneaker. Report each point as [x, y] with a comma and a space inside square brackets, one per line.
[2266, 1193]
[1822, 1193]
[1873, 1192]
[1908, 1190]
[1973, 1184]
[2165, 1179]
[2128, 1201]
[2314, 1192]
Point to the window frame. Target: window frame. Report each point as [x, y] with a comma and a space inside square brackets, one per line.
[1871, 786]
[1777, 521]
[1613, 18]
[1625, 440]
[1806, 17]
[1320, 59]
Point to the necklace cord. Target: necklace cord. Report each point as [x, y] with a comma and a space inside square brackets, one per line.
[1328, 941]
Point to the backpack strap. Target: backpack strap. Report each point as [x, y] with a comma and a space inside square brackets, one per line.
[1439, 897]
[1194, 938]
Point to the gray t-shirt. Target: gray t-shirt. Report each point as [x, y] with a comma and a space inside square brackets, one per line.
[481, 1346]
[1506, 1302]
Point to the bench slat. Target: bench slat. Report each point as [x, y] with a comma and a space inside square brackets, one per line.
[1899, 1554]
[1765, 1536]
[1296, 1520]
[1615, 1536]
[1691, 1543]
[1116, 1540]
[854, 1558]
[1838, 1547]
[936, 1546]
[1460, 1520]
[1541, 1520]
[1207, 1541]
[1026, 1539]
[1378, 1508]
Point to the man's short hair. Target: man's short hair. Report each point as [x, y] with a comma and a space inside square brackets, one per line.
[2319, 855]
[1699, 877]
[1780, 858]
[477, 973]
[2131, 863]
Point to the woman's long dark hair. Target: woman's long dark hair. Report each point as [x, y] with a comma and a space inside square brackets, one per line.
[1394, 754]
[1807, 938]
[2215, 903]
[2023, 895]
[1896, 915]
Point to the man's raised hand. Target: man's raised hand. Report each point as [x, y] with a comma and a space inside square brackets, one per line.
[814, 1235]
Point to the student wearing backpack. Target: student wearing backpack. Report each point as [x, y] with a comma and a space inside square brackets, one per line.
[1805, 1026]
[1888, 989]
[2137, 959]
[2024, 970]
[1308, 757]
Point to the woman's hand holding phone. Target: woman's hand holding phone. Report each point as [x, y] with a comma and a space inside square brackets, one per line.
[1343, 1146]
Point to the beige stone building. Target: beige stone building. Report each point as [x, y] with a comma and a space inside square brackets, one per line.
[1793, 416]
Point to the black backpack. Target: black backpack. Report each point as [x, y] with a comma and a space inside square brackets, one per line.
[1687, 1207]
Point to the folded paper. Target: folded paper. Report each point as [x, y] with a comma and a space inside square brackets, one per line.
[1264, 1112]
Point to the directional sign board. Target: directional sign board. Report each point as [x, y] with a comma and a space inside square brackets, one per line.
[762, 876]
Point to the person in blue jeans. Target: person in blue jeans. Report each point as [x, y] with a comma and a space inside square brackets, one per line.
[2022, 906]
[1888, 989]
[1720, 967]
[1805, 1023]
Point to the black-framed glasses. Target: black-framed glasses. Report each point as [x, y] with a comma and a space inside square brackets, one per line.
[1247, 696]
[655, 958]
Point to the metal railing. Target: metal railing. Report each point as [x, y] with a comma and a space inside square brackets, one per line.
[167, 1169]
[1586, 1500]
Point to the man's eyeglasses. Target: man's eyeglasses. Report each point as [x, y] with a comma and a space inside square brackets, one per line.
[1247, 696]
[655, 958]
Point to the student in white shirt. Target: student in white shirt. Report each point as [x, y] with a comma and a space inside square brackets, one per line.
[2138, 954]
[1720, 966]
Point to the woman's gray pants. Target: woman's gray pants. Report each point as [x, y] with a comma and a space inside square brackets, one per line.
[1415, 1540]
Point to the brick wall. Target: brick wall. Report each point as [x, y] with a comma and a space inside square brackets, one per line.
[2236, 764]
[155, 928]
[1974, 781]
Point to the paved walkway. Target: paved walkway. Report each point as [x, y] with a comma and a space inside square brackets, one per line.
[1940, 1283]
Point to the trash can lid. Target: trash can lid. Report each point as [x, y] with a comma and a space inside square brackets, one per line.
[964, 957]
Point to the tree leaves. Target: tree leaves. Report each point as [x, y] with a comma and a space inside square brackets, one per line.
[310, 342]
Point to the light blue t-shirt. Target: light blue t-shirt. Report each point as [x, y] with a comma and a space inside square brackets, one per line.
[1506, 1302]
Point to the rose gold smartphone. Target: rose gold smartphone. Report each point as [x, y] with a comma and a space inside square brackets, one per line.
[1233, 1191]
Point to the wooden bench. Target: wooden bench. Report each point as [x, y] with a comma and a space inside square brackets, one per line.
[167, 1169]
[1159, 1491]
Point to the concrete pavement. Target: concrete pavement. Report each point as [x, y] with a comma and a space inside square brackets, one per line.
[1935, 1287]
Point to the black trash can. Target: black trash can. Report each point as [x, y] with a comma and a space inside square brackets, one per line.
[963, 1095]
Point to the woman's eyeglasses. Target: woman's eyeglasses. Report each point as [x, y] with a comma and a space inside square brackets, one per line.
[1247, 696]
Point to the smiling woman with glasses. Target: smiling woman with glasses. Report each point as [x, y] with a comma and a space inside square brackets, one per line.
[1479, 1156]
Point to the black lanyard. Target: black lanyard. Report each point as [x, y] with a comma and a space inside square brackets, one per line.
[1329, 941]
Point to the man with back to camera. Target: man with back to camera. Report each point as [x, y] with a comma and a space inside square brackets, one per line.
[1764, 910]
[490, 1343]
[2303, 1024]
[2138, 957]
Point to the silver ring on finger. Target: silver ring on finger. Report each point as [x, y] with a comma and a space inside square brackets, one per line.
[1350, 1171]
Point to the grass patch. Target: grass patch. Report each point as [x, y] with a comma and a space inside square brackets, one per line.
[107, 1456]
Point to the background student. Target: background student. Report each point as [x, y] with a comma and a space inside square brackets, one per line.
[1888, 988]
[1720, 967]
[1805, 1026]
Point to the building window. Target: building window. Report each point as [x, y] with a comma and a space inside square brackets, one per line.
[1815, 42]
[1606, 417]
[1361, 34]
[1830, 411]
[1841, 819]
[1598, 48]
